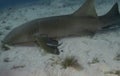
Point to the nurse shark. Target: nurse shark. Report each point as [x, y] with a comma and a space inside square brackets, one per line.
[44, 31]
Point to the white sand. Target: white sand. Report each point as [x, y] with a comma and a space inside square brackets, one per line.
[104, 47]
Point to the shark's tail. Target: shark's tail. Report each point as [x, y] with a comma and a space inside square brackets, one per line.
[112, 17]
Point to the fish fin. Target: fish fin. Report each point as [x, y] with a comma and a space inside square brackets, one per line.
[114, 11]
[87, 9]
[111, 19]
[42, 41]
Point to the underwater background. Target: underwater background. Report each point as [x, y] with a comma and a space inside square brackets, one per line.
[9, 3]
[97, 56]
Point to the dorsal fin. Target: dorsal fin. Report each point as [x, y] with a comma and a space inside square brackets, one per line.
[87, 9]
[114, 11]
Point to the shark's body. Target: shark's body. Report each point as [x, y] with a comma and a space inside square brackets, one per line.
[54, 27]
[82, 22]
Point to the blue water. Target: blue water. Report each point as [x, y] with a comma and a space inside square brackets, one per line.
[9, 3]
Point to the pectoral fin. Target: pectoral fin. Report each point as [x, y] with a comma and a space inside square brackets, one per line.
[44, 41]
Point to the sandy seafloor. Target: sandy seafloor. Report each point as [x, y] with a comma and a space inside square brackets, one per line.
[103, 47]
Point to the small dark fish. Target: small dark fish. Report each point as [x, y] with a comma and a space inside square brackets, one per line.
[48, 44]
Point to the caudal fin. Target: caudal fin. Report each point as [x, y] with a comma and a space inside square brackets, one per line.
[112, 18]
[114, 11]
